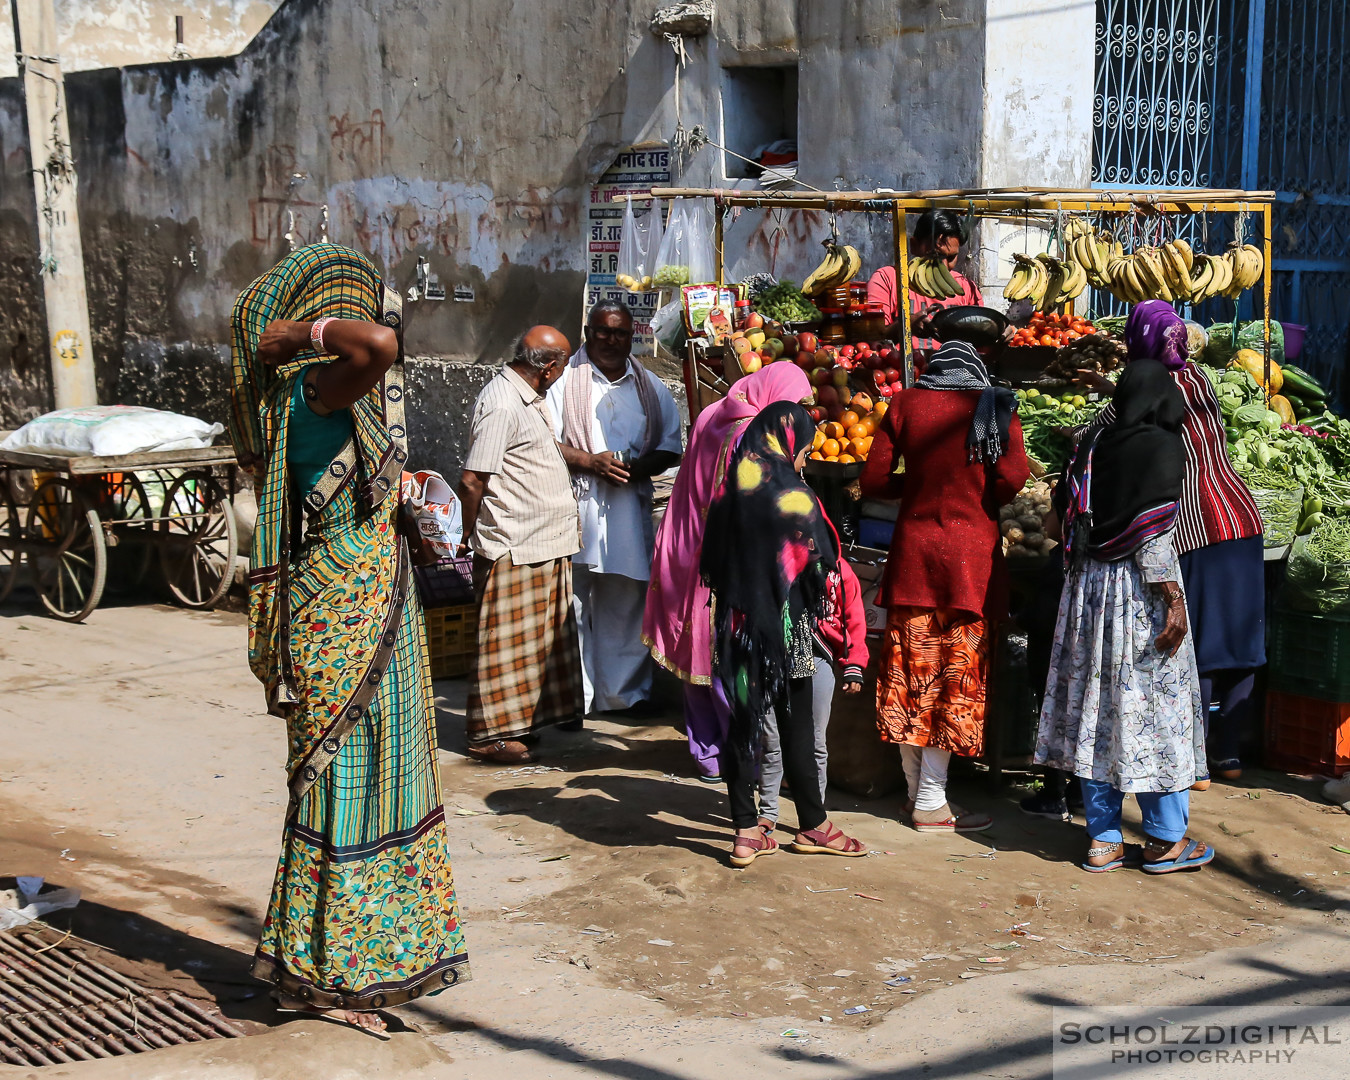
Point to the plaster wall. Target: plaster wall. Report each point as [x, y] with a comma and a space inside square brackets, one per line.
[114, 33]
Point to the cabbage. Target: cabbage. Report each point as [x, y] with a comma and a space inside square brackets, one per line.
[1253, 415]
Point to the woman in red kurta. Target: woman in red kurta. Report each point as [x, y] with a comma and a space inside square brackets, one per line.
[945, 585]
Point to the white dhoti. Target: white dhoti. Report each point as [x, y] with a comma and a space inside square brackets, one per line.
[616, 668]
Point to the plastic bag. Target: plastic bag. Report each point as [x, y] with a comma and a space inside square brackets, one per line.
[430, 502]
[668, 327]
[685, 256]
[639, 241]
[112, 431]
[1251, 335]
[1312, 585]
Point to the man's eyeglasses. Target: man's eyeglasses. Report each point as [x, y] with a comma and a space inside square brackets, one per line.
[610, 333]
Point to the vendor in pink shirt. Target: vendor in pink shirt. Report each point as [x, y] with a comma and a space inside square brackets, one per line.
[940, 233]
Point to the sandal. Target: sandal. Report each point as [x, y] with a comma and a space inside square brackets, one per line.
[503, 751]
[820, 841]
[1126, 855]
[1186, 859]
[950, 819]
[761, 845]
[345, 1017]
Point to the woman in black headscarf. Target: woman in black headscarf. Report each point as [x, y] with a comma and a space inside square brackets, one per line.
[768, 556]
[1122, 705]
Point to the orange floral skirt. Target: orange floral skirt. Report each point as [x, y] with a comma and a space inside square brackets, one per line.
[933, 677]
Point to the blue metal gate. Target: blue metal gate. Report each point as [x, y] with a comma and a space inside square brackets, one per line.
[1250, 94]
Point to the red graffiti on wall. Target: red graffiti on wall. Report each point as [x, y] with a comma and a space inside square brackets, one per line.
[360, 143]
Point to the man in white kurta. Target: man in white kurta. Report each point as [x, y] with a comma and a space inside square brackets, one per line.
[618, 426]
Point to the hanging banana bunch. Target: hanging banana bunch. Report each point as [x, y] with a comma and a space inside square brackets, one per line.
[842, 263]
[1248, 266]
[1171, 271]
[1028, 281]
[930, 277]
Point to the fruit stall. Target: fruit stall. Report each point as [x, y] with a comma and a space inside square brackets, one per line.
[1105, 250]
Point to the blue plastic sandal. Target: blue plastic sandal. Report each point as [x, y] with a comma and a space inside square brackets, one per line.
[1186, 860]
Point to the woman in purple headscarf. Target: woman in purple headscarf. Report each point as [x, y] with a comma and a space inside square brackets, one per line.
[1218, 536]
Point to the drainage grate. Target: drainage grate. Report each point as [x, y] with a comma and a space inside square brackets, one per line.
[58, 1005]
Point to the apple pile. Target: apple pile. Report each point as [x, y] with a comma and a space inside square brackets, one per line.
[763, 341]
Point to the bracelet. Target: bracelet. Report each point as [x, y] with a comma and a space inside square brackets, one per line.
[316, 334]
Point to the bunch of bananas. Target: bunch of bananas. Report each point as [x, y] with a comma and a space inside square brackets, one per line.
[1045, 280]
[1170, 271]
[1090, 250]
[930, 277]
[1229, 274]
[842, 263]
[1146, 274]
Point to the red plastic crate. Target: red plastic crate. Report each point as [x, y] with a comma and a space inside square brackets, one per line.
[1306, 735]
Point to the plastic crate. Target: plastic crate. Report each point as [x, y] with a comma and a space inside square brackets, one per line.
[452, 639]
[1310, 655]
[448, 581]
[1307, 735]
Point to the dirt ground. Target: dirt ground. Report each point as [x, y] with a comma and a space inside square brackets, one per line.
[604, 924]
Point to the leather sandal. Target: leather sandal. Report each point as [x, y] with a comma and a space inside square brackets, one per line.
[820, 841]
[503, 752]
[764, 844]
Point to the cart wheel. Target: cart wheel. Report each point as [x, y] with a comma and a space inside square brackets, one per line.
[72, 566]
[11, 529]
[131, 522]
[198, 540]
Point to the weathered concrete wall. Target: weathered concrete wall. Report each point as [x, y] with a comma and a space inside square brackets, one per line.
[114, 33]
[468, 134]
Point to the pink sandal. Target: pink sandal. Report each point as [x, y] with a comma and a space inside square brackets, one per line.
[819, 841]
[762, 845]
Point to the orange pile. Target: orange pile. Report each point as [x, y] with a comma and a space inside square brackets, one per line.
[849, 438]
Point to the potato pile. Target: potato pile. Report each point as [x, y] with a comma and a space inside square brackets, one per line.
[1022, 522]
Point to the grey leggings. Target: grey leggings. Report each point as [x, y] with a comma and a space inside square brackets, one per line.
[771, 756]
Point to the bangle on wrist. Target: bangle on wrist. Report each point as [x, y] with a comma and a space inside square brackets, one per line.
[316, 330]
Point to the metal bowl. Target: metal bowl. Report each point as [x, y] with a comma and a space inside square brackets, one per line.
[981, 326]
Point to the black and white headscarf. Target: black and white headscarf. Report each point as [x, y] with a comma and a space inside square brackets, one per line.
[957, 366]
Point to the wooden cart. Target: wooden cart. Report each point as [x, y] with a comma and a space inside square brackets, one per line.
[69, 515]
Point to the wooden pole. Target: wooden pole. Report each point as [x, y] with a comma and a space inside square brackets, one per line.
[69, 342]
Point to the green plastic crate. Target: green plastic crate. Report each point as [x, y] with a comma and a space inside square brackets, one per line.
[1310, 655]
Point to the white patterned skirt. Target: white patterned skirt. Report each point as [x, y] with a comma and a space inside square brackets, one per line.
[1116, 709]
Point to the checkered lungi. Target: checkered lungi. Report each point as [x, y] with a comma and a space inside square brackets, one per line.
[528, 673]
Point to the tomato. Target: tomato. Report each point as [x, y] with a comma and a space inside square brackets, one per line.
[1071, 336]
[1049, 341]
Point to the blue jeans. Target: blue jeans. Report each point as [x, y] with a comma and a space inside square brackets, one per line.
[1166, 813]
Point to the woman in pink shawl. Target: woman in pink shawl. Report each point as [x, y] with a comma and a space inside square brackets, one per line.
[677, 625]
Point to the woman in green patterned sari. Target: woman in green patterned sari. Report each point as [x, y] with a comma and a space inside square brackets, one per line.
[363, 912]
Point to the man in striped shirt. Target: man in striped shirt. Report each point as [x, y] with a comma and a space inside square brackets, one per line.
[520, 515]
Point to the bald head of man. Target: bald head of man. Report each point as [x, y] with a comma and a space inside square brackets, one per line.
[540, 356]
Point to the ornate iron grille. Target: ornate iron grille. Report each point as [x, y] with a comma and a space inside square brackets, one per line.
[1183, 100]
[1154, 103]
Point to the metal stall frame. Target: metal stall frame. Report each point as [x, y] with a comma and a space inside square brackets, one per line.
[1021, 203]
